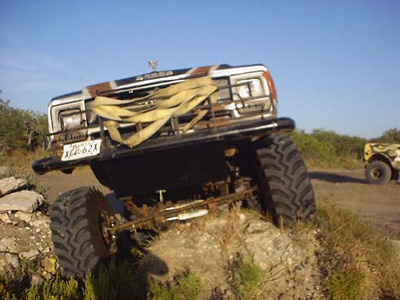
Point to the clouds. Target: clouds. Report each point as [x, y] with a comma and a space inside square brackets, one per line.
[30, 63]
[25, 73]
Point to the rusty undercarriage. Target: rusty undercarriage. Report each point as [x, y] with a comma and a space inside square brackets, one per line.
[160, 215]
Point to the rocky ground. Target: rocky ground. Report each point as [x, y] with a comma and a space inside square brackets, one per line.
[211, 245]
[288, 259]
[25, 238]
[207, 246]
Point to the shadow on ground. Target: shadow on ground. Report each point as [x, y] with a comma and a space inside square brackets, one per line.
[335, 178]
[128, 275]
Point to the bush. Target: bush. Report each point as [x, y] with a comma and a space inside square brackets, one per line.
[187, 286]
[114, 281]
[389, 136]
[246, 278]
[20, 129]
[328, 149]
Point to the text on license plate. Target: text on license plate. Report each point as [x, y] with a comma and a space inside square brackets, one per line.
[80, 150]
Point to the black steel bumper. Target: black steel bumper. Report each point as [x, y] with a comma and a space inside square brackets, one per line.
[229, 133]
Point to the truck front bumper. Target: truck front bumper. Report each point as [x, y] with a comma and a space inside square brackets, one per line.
[229, 133]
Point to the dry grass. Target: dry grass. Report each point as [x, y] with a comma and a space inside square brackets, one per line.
[21, 160]
[359, 262]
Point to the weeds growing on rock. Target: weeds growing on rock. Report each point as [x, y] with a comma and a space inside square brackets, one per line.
[245, 278]
[190, 285]
[185, 286]
[355, 261]
[161, 291]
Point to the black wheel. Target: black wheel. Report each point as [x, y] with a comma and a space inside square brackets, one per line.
[378, 172]
[285, 187]
[77, 217]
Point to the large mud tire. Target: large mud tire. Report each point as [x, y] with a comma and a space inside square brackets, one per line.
[286, 192]
[76, 230]
[378, 172]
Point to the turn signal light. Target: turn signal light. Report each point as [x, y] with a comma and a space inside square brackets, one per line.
[271, 86]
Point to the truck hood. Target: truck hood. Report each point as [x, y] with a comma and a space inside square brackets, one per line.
[155, 77]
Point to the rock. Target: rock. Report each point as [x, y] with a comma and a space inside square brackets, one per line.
[26, 201]
[5, 218]
[9, 260]
[39, 223]
[11, 184]
[29, 254]
[49, 264]
[46, 250]
[7, 243]
[266, 244]
[22, 216]
[260, 227]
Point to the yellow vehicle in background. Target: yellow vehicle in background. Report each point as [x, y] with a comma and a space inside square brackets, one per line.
[383, 162]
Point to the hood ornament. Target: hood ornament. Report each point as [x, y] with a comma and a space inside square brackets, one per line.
[153, 64]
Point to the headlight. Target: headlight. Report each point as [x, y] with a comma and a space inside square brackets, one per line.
[70, 119]
[254, 85]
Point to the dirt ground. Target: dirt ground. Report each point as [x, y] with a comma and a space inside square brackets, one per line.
[347, 189]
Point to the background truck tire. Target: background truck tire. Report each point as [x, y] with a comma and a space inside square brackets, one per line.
[76, 230]
[285, 187]
[378, 172]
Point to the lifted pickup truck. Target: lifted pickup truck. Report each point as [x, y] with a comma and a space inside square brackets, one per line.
[172, 145]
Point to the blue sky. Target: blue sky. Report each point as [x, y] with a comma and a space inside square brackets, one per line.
[336, 64]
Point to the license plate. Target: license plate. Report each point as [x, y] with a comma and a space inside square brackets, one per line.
[81, 150]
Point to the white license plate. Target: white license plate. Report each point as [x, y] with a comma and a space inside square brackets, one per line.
[81, 150]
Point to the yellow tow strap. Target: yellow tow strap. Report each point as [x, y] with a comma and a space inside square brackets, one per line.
[176, 100]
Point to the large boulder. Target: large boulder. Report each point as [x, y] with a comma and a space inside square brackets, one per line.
[26, 201]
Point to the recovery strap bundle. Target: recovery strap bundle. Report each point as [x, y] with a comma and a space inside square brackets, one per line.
[175, 100]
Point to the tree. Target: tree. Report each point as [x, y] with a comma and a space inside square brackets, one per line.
[390, 136]
[20, 129]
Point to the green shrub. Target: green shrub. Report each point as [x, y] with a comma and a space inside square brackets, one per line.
[190, 286]
[313, 149]
[59, 289]
[113, 282]
[163, 292]
[327, 149]
[116, 282]
[389, 136]
[245, 278]
[20, 129]
[185, 286]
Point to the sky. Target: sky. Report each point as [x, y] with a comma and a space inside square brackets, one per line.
[336, 64]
